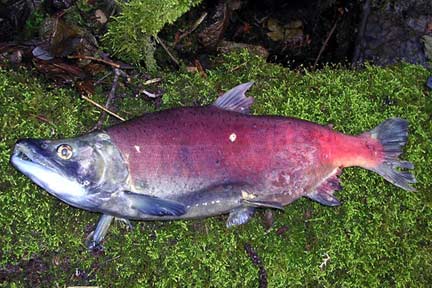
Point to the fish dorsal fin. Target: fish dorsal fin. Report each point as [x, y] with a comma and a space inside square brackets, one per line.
[235, 99]
[324, 192]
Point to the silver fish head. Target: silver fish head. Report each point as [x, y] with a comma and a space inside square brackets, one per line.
[76, 170]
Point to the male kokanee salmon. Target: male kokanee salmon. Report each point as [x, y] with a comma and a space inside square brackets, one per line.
[203, 161]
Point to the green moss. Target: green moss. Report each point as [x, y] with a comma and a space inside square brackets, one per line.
[380, 236]
[32, 25]
[129, 34]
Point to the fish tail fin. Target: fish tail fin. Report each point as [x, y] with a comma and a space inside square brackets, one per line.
[393, 135]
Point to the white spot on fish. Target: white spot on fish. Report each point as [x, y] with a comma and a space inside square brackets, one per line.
[205, 204]
[247, 196]
[232, 137]
[137, 148]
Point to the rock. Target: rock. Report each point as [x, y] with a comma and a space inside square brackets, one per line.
[398, 31]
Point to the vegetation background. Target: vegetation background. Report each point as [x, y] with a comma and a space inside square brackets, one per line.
[379, 237]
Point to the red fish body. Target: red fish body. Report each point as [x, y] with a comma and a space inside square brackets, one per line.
[183, 150]
[211, 159]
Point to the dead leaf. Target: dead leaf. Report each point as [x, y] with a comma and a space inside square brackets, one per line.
[429, 27]
[60, 72]
[277, 32]
[191, 69]
[228, 46]
[291, 33]
[213, 33]
[268, 220]
[296, 24]
[100, 16]
[85, 87]
[42, 54]
[200, 69]
[282, 230]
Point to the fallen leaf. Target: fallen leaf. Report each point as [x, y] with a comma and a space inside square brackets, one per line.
[296, 24]
[191, 69]
[229, 46]
[200, 69]
[213, 33]
[268, 220]
[42, 54]
[100, 16]
[429, 27]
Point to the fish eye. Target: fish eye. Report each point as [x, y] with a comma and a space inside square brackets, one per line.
[64, 151]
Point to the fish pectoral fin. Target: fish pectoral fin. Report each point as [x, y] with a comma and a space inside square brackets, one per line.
[260, 203]
[239, 216]
[235, 99]
[151, 205]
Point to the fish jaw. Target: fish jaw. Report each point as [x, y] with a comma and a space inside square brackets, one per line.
[45, 174]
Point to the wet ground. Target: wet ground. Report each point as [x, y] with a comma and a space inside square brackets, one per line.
[311, 32]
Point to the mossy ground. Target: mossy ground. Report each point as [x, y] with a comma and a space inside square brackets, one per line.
[380, 236]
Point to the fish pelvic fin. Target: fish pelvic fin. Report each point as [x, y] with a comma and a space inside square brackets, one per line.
[235, 99]
[240, 216]
[393, 135]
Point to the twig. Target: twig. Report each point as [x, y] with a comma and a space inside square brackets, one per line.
[166, 50]
[326, 259]
[102, 78]
[107, 261]
[238, 66]
[200, 68]
[152, 81]
[102, 108]
[256, 260]
[108, 62]
[111, 96]
[325, 43]
[194, 26]
[149, 94]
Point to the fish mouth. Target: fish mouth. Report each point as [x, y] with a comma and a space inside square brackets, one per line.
[30, 159]
[27, 153]
[34, 160]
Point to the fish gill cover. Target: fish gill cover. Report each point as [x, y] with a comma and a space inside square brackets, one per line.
[380, 236]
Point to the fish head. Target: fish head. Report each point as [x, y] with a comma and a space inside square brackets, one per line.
[73, 170]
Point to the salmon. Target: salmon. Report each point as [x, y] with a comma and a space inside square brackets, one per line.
[203, 161]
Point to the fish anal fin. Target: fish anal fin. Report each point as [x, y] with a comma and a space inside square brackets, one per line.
[324, 198]
[240, 216]
[324, 191]
[235, 99]
[156, 206]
